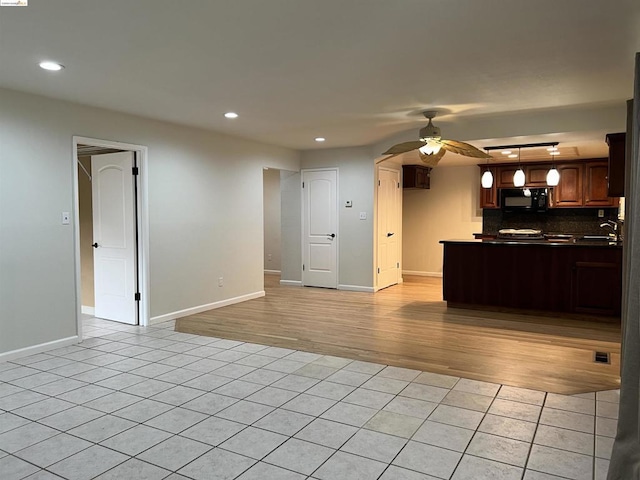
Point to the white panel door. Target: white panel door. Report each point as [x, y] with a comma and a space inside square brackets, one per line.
[388, 227]
[320, 225]
[114, 254]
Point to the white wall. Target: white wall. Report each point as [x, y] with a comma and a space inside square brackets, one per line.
[355, 179]
[449, 209]
[205, 202]
[271, 196]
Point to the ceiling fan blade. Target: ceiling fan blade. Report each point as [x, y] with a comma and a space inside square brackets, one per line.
[404, 147]
[462, 148]
[432, 160]
[387, 158]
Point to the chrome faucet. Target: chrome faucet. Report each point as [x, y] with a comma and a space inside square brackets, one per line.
[613, 226]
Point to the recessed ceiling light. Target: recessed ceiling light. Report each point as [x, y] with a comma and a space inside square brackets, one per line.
[513, 155]
[555, 152]
[320, 139]
[506, 152]
[231, 115]
[52, 66]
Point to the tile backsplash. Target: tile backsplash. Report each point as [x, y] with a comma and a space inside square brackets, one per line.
[583, 221]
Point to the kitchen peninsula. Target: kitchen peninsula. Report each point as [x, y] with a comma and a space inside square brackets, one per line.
[577, 276]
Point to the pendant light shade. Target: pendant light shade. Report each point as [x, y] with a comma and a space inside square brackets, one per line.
[487, 179]
[518, 178]
[553, 177]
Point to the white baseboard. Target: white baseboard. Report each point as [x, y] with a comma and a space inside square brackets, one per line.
[272, 272]
[295, 283]
[356, 288]
[204, 308]
[88, 310]
[42, 347]
[422, 274]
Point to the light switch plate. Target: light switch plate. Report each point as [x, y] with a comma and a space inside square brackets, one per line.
[363, 215]
[348, 204]
[600, 213]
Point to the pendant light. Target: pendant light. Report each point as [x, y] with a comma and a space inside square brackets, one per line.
[518, 177]
[553, 176]
[487, 177]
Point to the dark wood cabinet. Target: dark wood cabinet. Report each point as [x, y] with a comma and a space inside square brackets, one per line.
[489, 196]
[569, 192]
[596, 188]
[504, 176]
[583, 183]
[616, 164]
[536, 175]
[569, 277]
[416, 176]
[596, 287]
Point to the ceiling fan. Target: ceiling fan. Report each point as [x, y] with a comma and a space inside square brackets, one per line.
[431, 147]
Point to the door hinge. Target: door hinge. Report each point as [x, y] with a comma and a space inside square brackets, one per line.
[302, 184]
[398, 265]
[378, 182]
[398, 184]
[303, 267]
[135, 171]
[136, 296]
[378, 270]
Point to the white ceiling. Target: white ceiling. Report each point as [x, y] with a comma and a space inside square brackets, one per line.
[357, 72]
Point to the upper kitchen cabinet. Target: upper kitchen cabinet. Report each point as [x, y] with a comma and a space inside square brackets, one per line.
[569, 192]
[504, 176]
[489, 196]
[416, 176]
[536, 175]
[616, 142]
[596, 190]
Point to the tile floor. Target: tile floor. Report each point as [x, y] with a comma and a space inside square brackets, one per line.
[150, 403]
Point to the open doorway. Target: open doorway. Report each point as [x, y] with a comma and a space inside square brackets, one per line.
[111, 231]
[272, 221]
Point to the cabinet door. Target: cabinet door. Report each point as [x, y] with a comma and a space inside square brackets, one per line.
[536, 175]
[505, 177]
[616, 142]
[597, 288]
[489, 196]
[569, 193]
[416, 176]
[596, 191]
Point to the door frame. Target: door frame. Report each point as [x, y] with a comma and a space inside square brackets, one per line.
[142, 223]
[376, 287]
[303, 216]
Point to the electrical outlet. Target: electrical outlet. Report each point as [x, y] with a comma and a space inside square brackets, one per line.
[220, 281]
[269, 258]
[600, 213]
[363, 215]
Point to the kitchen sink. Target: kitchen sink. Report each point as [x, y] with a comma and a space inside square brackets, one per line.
[595, 238]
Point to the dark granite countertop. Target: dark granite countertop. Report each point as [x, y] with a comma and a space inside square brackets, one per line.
[545, 243]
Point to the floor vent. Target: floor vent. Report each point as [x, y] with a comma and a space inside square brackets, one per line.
[601, 357]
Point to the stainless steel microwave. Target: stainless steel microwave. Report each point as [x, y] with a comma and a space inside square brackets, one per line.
[524, 199]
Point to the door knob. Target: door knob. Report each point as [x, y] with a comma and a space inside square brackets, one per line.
[390, 234]
[95, 245]
[332, 235]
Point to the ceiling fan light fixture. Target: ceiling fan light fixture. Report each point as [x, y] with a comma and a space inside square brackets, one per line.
[431, 147]
[487, 179]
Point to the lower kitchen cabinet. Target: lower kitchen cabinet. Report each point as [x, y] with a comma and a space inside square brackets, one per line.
[536, 276]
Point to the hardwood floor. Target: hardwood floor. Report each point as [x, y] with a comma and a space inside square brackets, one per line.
[409, 325]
